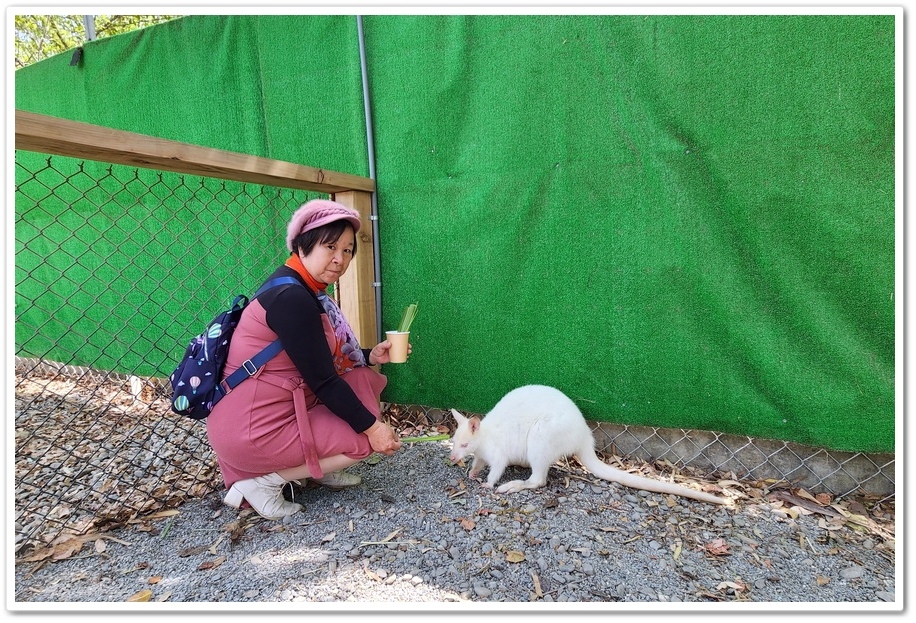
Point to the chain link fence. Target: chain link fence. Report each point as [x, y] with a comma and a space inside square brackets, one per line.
[96, 444]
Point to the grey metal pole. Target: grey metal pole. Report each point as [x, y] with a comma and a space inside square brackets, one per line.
[377, 283]
[89, 25]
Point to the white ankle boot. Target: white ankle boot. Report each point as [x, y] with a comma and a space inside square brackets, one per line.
[333, 480]
[339, 480]
[265, 494]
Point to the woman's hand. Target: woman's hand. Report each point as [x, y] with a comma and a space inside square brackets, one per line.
[382, 438]
[381, 353]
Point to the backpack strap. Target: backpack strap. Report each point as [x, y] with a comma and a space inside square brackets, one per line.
[278, 281]
[251, 366]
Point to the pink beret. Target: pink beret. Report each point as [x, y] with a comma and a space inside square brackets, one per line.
[316, 213]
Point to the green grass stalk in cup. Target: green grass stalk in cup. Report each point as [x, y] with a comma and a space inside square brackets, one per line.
[407, 318]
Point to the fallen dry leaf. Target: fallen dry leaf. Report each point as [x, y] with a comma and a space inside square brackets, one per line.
[373, 575]
[537, 584]
[718, 547]
[191, 551]
[144, 595]
[162, 514]
[467, 524]
[856, 508]
[821, 580]
[154, 579]
[514, 556]
[211, 564]
[140, 566]
[212, 548]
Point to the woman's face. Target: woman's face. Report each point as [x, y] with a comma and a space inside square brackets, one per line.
[327, 262]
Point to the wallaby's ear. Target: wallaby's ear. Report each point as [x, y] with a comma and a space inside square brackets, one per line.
[458, 417]
[475, 423]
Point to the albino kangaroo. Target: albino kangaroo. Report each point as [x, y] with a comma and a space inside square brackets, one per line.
[535, 426]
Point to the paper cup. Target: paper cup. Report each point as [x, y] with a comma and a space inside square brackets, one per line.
[399, 340]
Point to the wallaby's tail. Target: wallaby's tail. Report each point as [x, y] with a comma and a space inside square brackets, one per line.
[602, 470]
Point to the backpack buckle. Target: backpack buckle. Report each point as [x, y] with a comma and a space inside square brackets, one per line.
[249, 366]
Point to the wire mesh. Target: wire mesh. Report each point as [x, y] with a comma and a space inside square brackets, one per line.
[96, 444]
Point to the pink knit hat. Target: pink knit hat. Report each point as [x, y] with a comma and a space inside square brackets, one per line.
[316, 213]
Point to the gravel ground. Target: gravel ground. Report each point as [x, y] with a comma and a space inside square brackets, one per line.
[419, 530]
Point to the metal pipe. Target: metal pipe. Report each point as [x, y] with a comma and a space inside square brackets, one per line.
[89, 25]
[370, 143]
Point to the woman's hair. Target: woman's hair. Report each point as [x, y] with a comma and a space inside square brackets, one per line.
[331, 232]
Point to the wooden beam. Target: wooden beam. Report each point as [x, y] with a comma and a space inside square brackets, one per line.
[62, 137]
[357, 292]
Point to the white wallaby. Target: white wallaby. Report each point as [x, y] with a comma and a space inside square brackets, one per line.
[535, 426]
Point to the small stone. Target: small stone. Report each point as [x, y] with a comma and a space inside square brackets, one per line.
[482, 591]
[853, 572]
[885, 596]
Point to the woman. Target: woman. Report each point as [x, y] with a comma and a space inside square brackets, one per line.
[313, 410]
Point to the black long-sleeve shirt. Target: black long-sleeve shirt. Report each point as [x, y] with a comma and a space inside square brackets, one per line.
[294, 314]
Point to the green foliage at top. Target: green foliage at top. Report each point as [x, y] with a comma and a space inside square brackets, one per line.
[38, 37]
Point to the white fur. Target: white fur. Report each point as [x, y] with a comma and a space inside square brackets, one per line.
[535, 426]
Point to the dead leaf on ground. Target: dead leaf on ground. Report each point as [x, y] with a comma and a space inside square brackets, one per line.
[514, 556]
[157, 515]
[191, 551]
[211, 564]
[735, 586]
[66, 546]
[718, 547]
[391, 536]
[144, 595]
[537, 584]
[373, 575]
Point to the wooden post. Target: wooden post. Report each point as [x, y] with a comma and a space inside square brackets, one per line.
[357, 294]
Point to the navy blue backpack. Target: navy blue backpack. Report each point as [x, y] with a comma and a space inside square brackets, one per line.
[196, 386]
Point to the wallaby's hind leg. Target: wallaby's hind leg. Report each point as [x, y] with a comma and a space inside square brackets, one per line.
[538, 478]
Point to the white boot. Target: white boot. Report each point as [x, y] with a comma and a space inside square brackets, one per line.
[333, 480]
[339, 480]
[265, 494]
